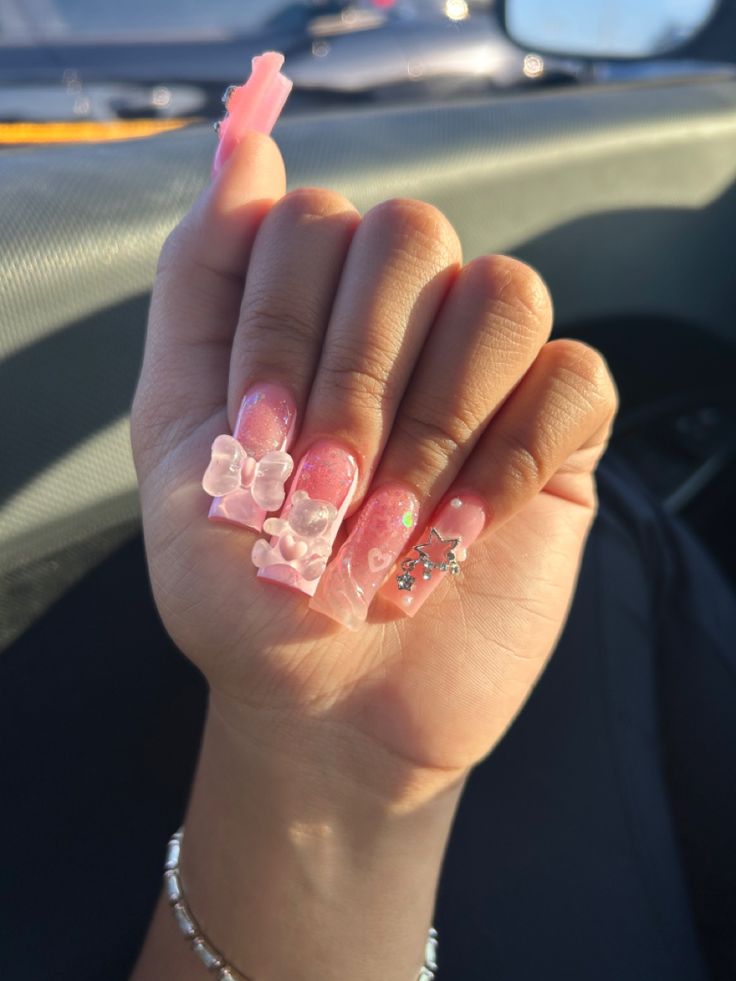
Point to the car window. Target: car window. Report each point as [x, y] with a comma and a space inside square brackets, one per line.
[176, 19]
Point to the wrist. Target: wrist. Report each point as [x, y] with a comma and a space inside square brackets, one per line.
[297, 866]
[319, 754]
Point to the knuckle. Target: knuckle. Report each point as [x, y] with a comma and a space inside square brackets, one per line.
[364, 387]
[434, 441]
[524, 463]
[310, 202]
[416, 227]
[277, 323]
[512, 290]
[583, 371]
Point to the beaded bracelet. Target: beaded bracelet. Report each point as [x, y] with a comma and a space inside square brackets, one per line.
[212, 958]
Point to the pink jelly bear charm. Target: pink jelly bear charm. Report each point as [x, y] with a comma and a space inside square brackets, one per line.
[299, 538]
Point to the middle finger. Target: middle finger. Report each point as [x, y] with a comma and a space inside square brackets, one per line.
[400, 265]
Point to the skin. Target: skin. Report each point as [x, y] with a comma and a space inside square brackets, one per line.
[333, 761]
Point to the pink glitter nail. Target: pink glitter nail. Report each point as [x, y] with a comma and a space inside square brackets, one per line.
[305, 531]
[440, 550]
[385, 524]
[248, 470]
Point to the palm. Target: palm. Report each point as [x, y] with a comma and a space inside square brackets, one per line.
[419, 354]
[437, 690]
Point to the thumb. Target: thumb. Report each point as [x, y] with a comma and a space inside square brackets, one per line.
[196, 299]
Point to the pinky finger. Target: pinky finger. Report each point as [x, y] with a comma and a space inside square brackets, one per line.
[548, 436]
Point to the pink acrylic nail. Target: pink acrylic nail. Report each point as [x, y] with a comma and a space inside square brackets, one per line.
[438, 553]
[305, 531]
[256, 105]
[384, 526]
[248, 470]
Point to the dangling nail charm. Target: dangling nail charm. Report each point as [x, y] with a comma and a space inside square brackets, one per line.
[441, 549]
[436, 553]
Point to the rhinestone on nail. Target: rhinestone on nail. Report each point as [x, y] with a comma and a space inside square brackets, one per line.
[447, 563]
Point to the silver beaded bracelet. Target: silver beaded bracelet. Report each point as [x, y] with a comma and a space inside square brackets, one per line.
[212, 958]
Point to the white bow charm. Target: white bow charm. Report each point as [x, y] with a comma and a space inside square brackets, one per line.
[232, 469]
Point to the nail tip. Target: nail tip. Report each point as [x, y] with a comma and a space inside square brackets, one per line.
[255, 105]
[406, 609]
[218, 519]
[317, 606]
[287, 578]
[218, 515]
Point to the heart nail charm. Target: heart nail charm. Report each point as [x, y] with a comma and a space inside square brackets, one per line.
[380, 533]
[293, 549]
[379, 560]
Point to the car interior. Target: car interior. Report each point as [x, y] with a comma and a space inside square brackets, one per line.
[622, 195]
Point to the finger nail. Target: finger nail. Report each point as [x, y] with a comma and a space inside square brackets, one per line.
[248, 470]
[304, 532]
[384, 526]
[256, 105]
[439, 552]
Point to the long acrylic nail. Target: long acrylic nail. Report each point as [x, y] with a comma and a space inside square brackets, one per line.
[248, 470]
[384, 526]
[439, 552]
[305, 531]
[256, 105]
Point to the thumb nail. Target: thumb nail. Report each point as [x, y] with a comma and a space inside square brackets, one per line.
[254, 106]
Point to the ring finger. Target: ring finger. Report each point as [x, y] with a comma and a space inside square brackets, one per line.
[548, 435]
[488, 333]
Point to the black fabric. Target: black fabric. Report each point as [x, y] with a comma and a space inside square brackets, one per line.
[592, 844]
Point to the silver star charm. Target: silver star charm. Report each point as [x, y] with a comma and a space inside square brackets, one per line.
[435, 540]
[405, 581]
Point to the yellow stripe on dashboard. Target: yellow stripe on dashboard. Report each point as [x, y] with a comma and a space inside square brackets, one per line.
[88, 130]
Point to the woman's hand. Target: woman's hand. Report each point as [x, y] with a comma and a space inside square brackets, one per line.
[435, 376]
[333, 759]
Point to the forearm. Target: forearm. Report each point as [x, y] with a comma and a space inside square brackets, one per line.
[306, 859]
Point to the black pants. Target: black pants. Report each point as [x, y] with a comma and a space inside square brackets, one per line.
[595, 844]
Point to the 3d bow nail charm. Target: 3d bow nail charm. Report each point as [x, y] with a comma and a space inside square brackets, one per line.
[232, 469]
[299, 538]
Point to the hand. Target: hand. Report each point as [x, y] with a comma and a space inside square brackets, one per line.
[433, 374]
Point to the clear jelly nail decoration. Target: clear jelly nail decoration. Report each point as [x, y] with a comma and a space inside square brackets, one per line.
[300, 540]
[231, 469]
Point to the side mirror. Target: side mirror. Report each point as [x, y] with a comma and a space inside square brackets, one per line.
[605, 28]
